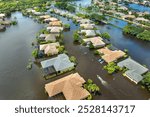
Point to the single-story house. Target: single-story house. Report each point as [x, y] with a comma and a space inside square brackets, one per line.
[70, 86]
[141, 19]
[87, 26]
[55, 29]
[96, 41]
[51, 19]
[44, 16]
[89, 33]
[2, 15]
[51, 37]
[55, 23]
[42, 36]
[58, 64]
[128, 17]
[109, 55]
[135, 70]
[84, 21]
[50, 49]
[123, 8]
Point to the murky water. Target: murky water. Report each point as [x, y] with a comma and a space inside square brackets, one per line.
[16, 82]
[137, 49]
[139, 7]
[112, 86]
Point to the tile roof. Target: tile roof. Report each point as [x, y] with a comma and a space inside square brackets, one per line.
[96, 41]
[109, 55]
[50, 48]
[70, 86]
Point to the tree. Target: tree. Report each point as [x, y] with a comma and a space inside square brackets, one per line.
[112, 67]
[73, 59]
[35, 53]
[76, 37]
[144, 35]
[105, 35]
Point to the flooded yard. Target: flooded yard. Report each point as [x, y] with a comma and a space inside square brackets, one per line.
[17, 82]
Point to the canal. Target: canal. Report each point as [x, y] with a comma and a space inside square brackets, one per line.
[138, 7]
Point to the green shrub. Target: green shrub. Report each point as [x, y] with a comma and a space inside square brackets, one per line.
[112, 68]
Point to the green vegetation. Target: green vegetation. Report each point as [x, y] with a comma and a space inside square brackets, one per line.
[112, 68]
[14, 22]
[138, 32]
[8, 6]
[105, 35]
[73, 59]
[44, 31]
[133, 30]
[96, 52]
[61, 49]
[76, 37]
[66, 26]
[91, 87]
[146, 81]
[147, 16]
[82, 15]
[144, 35]
[97, 17]
[65, 6]
[35, 53]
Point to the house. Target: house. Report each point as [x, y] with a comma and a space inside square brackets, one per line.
[96, 42]
[51, 19]
[128, 17]
[44, 16]
[109, 55]
[70, 86]
[87, 26]
[135, 70]
[138, 19]
[51, 37]
[84, 21]
[50, 49]
[42, 36]
[88, 33]
[55, 29]
[2, 15]
[55, 23]
[58, 64]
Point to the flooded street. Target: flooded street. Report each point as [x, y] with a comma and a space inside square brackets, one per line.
[16, 82]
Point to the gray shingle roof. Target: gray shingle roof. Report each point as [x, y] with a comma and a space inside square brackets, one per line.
[61, 62]
[135, 71]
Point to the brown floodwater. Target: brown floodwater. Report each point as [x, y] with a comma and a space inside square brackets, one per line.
[16, 82]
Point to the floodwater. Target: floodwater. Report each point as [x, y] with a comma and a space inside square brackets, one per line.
[139, 7]
[139, 50]
[16, 82]
[117, 22]
[112, 86]
[83, 3]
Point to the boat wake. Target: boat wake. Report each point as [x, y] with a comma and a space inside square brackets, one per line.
[102, 81]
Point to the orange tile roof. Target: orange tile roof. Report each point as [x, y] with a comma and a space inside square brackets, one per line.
[55, 23]
[110, 56]
[70, 86]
